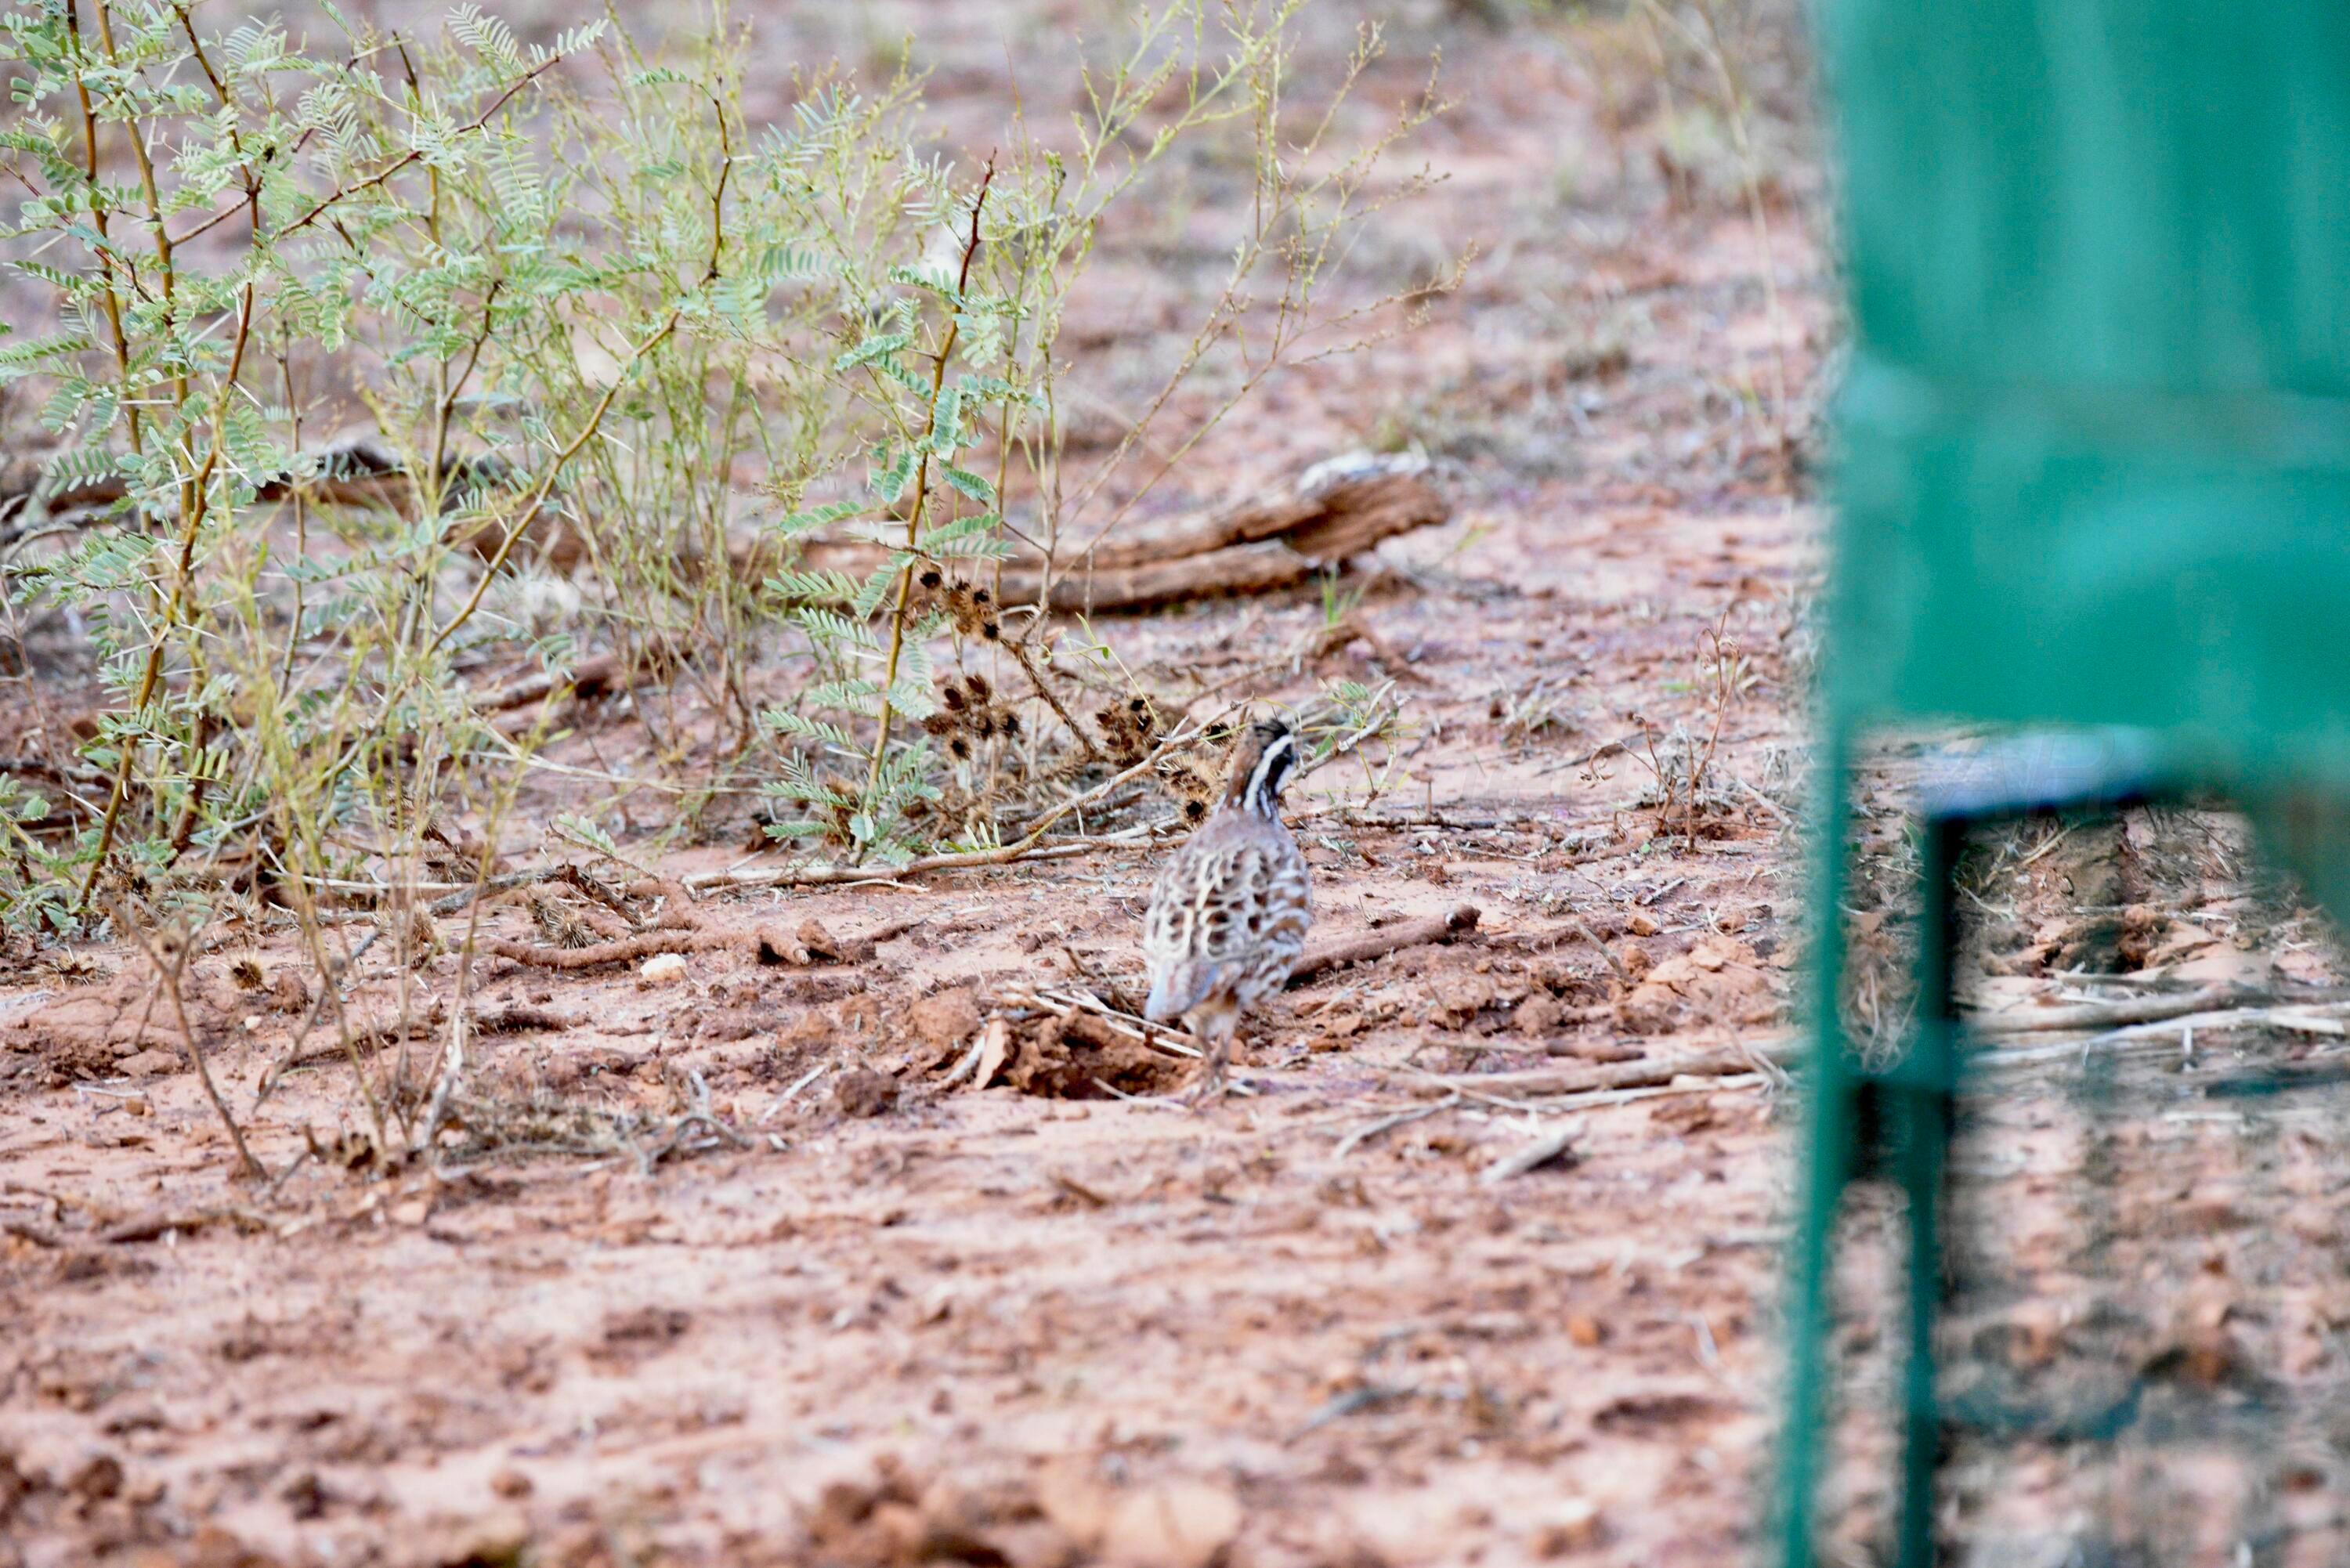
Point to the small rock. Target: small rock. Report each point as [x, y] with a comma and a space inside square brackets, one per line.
[663, 969]
[95, 1479]
[1640, 924]
[862, 1092]
[1571, 1524]
[305, 1496]
[214, 1547]
[1538, 1015]
[1718, 980]
[947, 1019]
[819, 942]
[511, 1484]
[496, 1540]
[287, 993]
[1174, 1524]
[1586, 1332]
[1685, 1118]
[147, 1063]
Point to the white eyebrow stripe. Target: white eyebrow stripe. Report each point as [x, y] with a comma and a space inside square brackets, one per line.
[1261, 775]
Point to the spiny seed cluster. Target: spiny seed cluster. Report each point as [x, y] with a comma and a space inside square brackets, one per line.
[1130, 730]
[969, 712]
[973, 610]
[558, 922]
[1196, 778]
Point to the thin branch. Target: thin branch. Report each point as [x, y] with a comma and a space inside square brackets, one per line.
[413, 155]
[922, 490]
[168, 975]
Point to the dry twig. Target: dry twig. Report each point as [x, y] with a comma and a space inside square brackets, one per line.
[1736, 1061]
[1371, 1129]
[168, 975]
[1533, 1154]
[1391, 939]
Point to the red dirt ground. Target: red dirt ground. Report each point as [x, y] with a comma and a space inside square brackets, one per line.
[920, 1324]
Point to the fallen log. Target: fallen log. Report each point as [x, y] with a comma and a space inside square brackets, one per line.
[588, 678]
[1271, 539]
[1333, 510]
[355, 469]
[1391, 939]
[1258, 568]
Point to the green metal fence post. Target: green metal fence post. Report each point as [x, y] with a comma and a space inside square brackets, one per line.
[1827, 1164]
[1927, 1095]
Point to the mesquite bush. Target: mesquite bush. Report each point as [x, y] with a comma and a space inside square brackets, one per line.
[361, 349]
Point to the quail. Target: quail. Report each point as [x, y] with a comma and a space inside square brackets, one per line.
[1230, 911]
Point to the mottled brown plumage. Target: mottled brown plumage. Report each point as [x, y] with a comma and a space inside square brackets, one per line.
[1230, 912]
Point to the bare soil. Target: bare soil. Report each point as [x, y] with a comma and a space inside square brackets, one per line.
[880, 1319]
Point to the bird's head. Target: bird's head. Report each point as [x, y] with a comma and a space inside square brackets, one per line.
[1261, 761]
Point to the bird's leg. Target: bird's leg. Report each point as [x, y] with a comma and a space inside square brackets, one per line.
[1211, 1086]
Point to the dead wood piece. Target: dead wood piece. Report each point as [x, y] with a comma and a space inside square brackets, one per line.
[1533, 1154]
[2116, 1014]
[1371, 1129]
[991, 1048]
[1079, 1191]
[588, 678]
[39, 1235]
[1357, 515]
[1731, 1062]
[2331, 1020]
[1392, 938]
[516, 1017]
[127, 1232]
[1236, 569]
[1338, 509]
[628, 950]
[356, 468]
[150, 1226]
